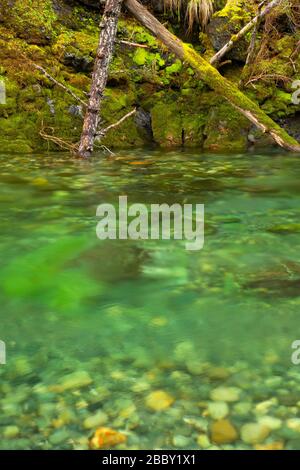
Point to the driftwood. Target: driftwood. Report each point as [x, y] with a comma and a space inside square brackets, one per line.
[107, 40]
[262, 14]
[208, 74]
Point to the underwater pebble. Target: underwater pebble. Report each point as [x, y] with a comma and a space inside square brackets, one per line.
[254, 433]
[223, 432]
[180, 441]
[242, 408]
[294, 424]
[218, 373]
[203, 441]
[278, 445]
[95, 420]
[198, 423]
[273, 382]
[218, 410]
[227, 394]
[270, 422]
[159, 400]
[264, 406]
[106, 438]
[59, 436]
[22, 366]
[75, 380]
[10, 432]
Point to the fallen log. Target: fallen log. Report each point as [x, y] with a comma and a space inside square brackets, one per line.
[208, 74]
[108, 26]
[256, 20]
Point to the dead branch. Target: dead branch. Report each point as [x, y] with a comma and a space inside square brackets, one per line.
[218, 56]
[103, 132]
[63, 144]
[133, 44]
[251, 50]
[59, 84]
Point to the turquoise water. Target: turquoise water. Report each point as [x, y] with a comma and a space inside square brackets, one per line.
[137, 317]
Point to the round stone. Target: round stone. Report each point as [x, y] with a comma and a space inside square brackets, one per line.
[227, 394]
[159, 400]
[223, 432]
[95, 420]
[218, 410]
[254, 433]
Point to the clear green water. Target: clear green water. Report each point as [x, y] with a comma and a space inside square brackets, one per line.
[142, 316]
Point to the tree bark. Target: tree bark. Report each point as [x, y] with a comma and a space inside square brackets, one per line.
[108, 27]
[208, 74]
[218, 56]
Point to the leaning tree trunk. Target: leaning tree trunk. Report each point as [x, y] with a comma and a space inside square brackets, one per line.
[208, 74]
[108, 26]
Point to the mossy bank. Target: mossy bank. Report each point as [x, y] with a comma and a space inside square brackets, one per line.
[174, 107]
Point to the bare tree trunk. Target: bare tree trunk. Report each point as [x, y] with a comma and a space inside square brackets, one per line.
[220, 54]
[108, 26]
[213, 78]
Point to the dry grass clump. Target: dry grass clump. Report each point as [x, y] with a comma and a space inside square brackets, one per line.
[194, 11]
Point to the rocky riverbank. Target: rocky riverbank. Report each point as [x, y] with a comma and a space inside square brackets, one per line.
[174, 107]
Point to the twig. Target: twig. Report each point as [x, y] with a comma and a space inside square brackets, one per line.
[267, 77]
[133, 44]
[103, 132]
[103, 147]
[63, 144]
[66, 89]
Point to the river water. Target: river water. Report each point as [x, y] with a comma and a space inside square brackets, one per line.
[168, 347]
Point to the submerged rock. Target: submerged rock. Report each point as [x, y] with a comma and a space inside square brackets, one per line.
[282, 279]
[95, 420]
[11, 432]
[223, 432]
[76, 380]
[159, 400]
[225, 394]
[218, 410]
[254, 433]
[105, 438]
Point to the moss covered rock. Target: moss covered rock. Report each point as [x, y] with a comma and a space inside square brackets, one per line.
[228, 22]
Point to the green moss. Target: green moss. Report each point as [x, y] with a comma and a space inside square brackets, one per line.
[32, 20]
[229, 91]
[285, 229]
[235, 10]
[15, 146]
[179, 121]
[183, 109]
[226, 130]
